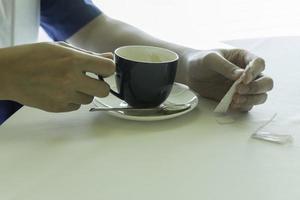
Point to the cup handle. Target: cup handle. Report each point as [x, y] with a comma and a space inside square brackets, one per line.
[110, 90]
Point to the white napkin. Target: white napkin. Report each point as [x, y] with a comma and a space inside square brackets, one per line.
[224, 104]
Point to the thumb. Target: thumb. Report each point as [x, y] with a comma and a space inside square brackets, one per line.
[222, 66]
[107, 55]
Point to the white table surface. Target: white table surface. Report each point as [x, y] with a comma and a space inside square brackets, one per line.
[82, 155]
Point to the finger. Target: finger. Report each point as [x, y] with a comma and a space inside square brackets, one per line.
[93, 87]
[67, 45]
[222, 66]
[97, 65]
[81, 98]
[255, 66]
[258, 86]
[234, 107]
[245, 108]
[107, 55]
[71, 107]
[89, 62]
[249, 100]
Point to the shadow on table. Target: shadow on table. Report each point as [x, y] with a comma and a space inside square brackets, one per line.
[99, 126]
[90, 127]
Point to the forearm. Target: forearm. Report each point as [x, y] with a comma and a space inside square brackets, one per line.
[105, 34]
[5, 69]
[3, 84]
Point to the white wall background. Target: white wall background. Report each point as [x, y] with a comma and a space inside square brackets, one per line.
[184, 21]
[215, 19]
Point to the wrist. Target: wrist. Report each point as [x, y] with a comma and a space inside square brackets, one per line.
[4, 94]
[5, 76]
[185, 57]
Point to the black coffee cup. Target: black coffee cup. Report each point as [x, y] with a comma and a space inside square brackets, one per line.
[144, 74]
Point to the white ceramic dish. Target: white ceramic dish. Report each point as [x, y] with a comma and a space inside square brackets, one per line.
[180, 94]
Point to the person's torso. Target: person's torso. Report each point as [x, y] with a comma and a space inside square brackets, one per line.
[19, 22]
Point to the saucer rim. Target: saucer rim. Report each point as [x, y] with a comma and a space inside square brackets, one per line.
[194, 102]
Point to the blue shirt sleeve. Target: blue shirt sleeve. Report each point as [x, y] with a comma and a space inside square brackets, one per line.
[62, 18]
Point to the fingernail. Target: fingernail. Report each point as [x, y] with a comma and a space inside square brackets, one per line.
[243, 89]
[238, 72]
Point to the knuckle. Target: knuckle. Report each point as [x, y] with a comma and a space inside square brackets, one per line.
[239, 55]
[241, 51]
[210, 55]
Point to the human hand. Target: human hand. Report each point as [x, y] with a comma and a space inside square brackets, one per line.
[211, 74]
[51, 76]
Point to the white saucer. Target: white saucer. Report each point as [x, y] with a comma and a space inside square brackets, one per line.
[180, 94]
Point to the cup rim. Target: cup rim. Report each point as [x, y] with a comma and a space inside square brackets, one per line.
[153, 47]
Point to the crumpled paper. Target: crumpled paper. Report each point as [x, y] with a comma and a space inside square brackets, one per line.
[224, 104]
[273, 131]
